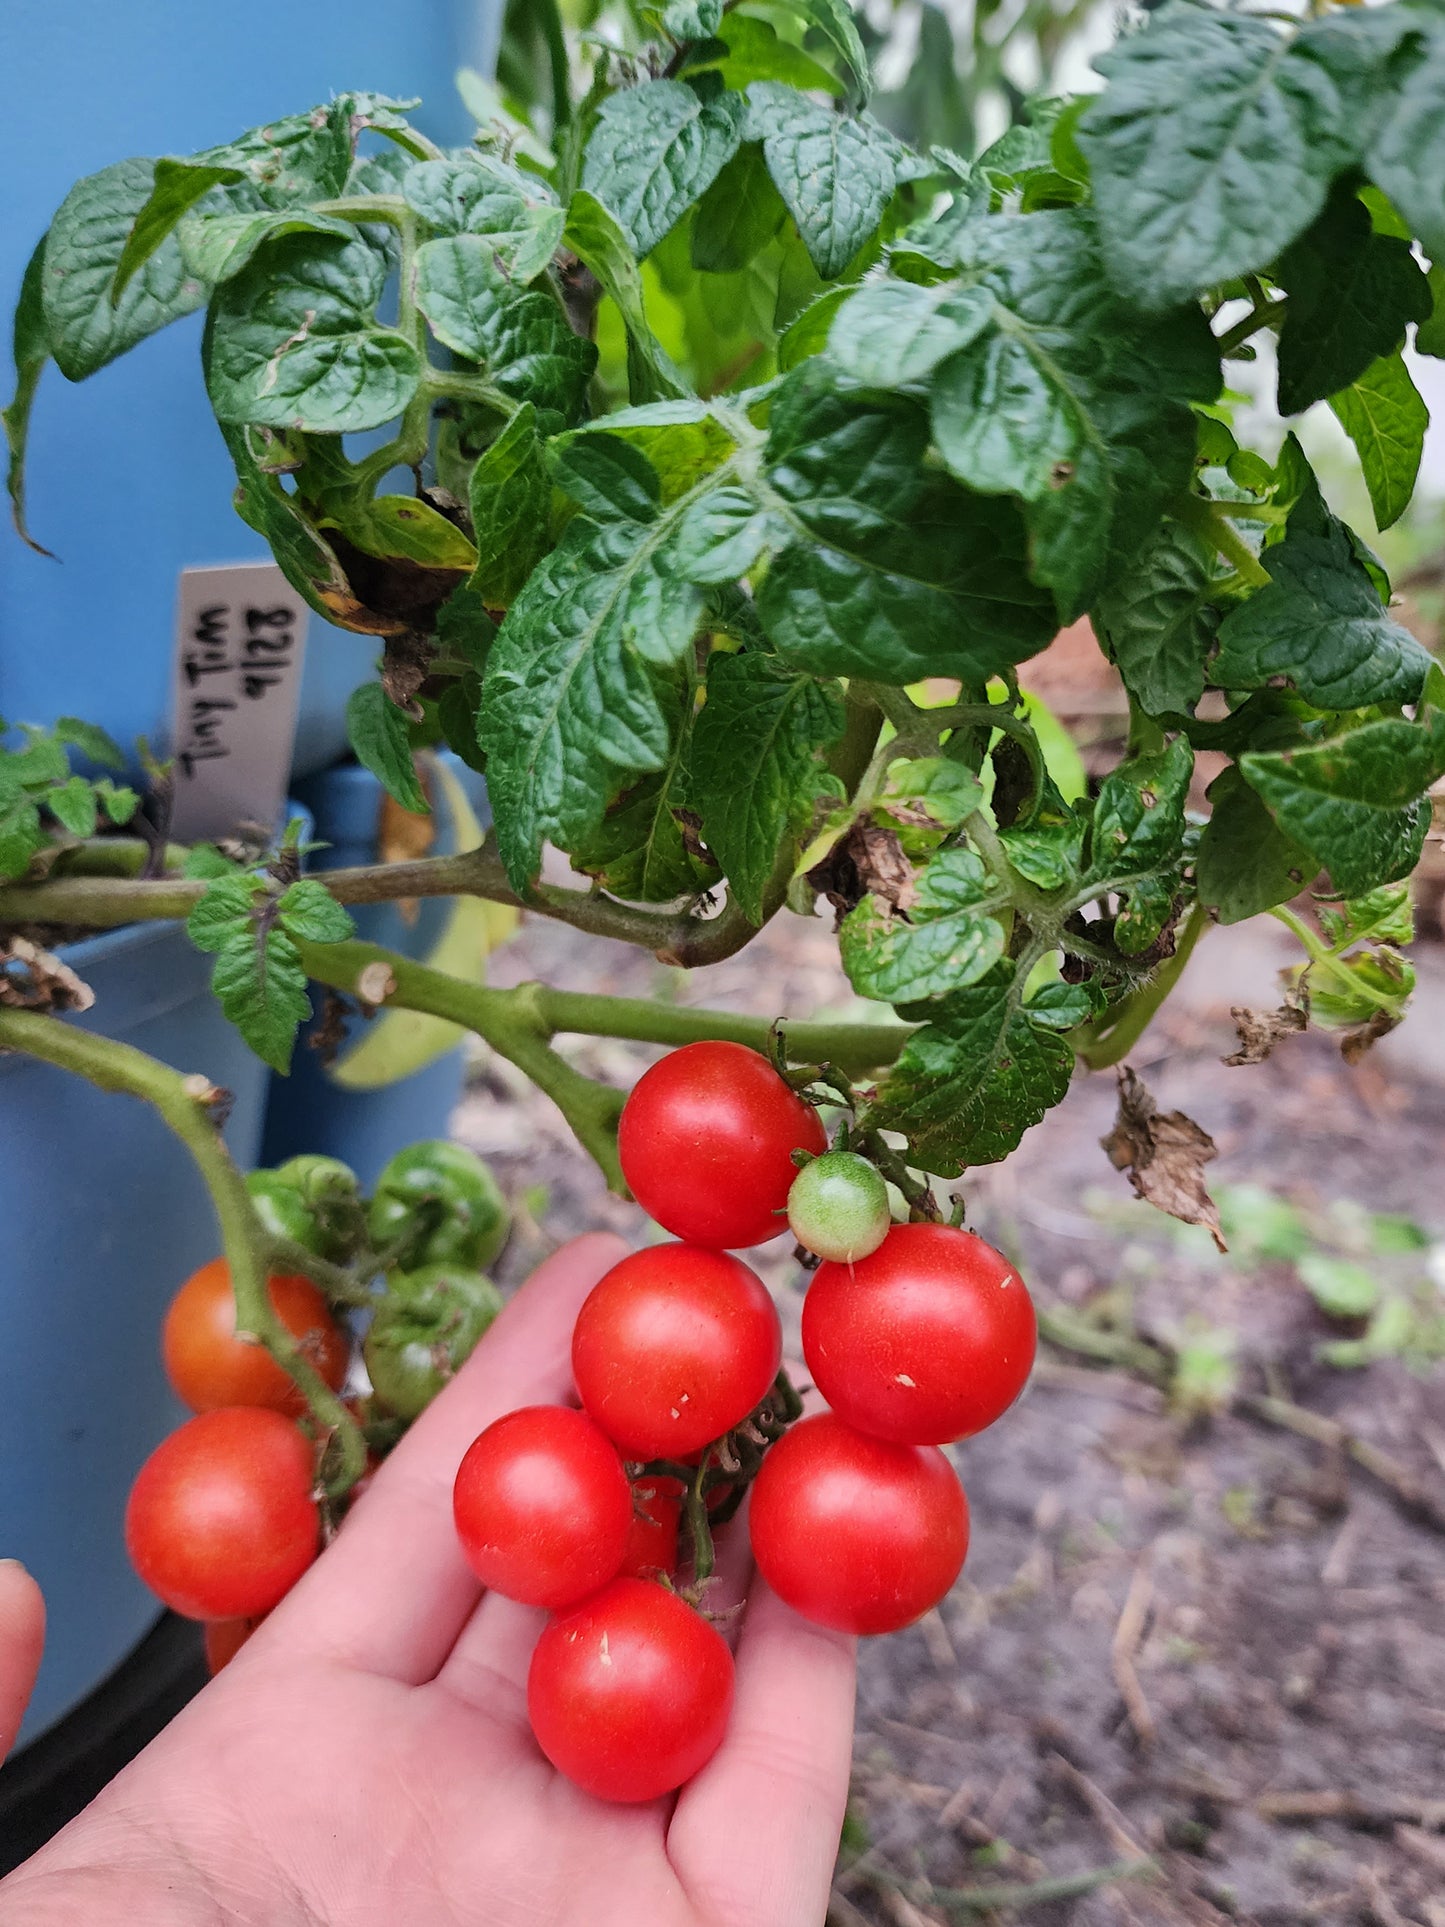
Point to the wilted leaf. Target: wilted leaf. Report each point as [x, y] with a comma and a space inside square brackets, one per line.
[1164, 1154]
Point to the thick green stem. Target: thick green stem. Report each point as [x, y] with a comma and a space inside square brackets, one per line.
[1210, 521]
[1263, 315]
[1331, 962]
[183, 1104]
[1120, 1030]
[519, 1025]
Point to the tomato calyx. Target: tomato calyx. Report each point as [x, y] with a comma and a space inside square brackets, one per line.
[714, 1487]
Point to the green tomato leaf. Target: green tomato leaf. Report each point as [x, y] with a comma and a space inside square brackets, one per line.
[1139, 814]
[226, 910]
[683, 440]
[407, 527]
[835, 173]
[655, 150]
[520, 335]
[84, 327]
[515, 214]
[378, 733]
[20, 833]
[73, 805]
[608, 477]
[1158, 622]
[178, 186]
[511, 495]
[720, 537]
[685, 20]
[833, 23]
[756, 763]
[31, 351]
[1246, 864]
[215, 247]
[1407, 155]
[890, 334]
[737, 216]
[890, 571]
[643, 850]
[91, 740]
[1385, 417]
[594, 236]
[294, 341]
[260, 985]
[572, 708]
[1066, 399]
[1357, 802]
[1430, 335]
[297, 159]
[975, 1078]
[945, 940]
[307, 560]
[1215, 142]
[746, 48]
[1380, 916]
[1351, 293]
[308, 910]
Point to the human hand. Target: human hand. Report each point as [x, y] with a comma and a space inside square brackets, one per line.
[22, 1635]
[365, 1760]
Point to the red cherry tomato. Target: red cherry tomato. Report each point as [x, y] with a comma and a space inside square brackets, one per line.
[706, 1142]
[209, 1366]
[543, 1507]
[221, 1521]
[855, 1532]
[224, 1639]
[656, 1519]
[930, 1338]
[629, 1693]
[674, 1347]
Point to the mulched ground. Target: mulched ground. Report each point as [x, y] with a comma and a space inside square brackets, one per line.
[1209, 1643]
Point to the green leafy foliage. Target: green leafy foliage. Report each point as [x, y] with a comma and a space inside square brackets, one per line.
[692, 393]
[251, 924]
[36, 782]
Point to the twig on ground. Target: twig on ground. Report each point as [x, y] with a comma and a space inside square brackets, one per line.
[1111, 1820]
[1126, 1644]
[1015, 1896]
[1377, 1812]
[1390, 1473]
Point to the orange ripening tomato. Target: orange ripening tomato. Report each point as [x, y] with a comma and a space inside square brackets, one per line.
[209, 1366]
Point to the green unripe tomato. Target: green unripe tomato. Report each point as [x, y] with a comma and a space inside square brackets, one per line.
[283, 1210]
[424, 1330]
[838, 1207]
[331, 1192]
[437, 1204]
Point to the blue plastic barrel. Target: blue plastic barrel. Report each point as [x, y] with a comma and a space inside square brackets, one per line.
[129, 482]
[102, 1215]
[307, 1111]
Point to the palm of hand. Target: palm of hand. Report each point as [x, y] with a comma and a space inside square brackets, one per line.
[366, 1762]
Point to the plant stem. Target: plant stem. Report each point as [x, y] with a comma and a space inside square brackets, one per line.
[1260, 316]
[1210, 520]
[184, 1106]
[519, 1025]
[1330, 961]
[1121, 1028]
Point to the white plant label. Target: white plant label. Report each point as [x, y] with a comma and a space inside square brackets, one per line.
[240, 644]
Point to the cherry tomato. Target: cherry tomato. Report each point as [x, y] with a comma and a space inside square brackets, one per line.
[436, 1203]
[674, 1347]
[838, 1207]
[209, 1366]
[707, 1140]
[855, 1532]
[656, 1518]
[224, 1639]
[221, 1521]
[929, 1339]
[629, 1693]
[543, 1507]
[424, 1330]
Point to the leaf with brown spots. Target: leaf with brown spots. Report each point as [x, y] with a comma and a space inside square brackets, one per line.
[1260, 1030]
[1164, 1154]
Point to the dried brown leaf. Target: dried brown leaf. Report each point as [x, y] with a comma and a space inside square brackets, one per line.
[1164, 1153]
[1363, 1037]
[1260, 1030]
[34, 979]
[867, 860]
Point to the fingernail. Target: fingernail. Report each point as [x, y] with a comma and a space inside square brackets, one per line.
[19, 1564]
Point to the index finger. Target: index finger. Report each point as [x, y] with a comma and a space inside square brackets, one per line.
[393, 1592]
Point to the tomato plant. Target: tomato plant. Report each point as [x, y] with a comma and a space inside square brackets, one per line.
[629, 1693]
[673, 1348]
[209, 1365]
[543, 1507]
[733, 622]
[929, 1339]
[221, 1520]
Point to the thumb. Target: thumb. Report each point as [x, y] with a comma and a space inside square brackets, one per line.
[22, 1636]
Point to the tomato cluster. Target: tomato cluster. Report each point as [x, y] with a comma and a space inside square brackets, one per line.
[917, 1335]
[227, 1512]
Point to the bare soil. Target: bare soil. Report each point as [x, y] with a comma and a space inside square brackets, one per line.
[1211, 1643]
